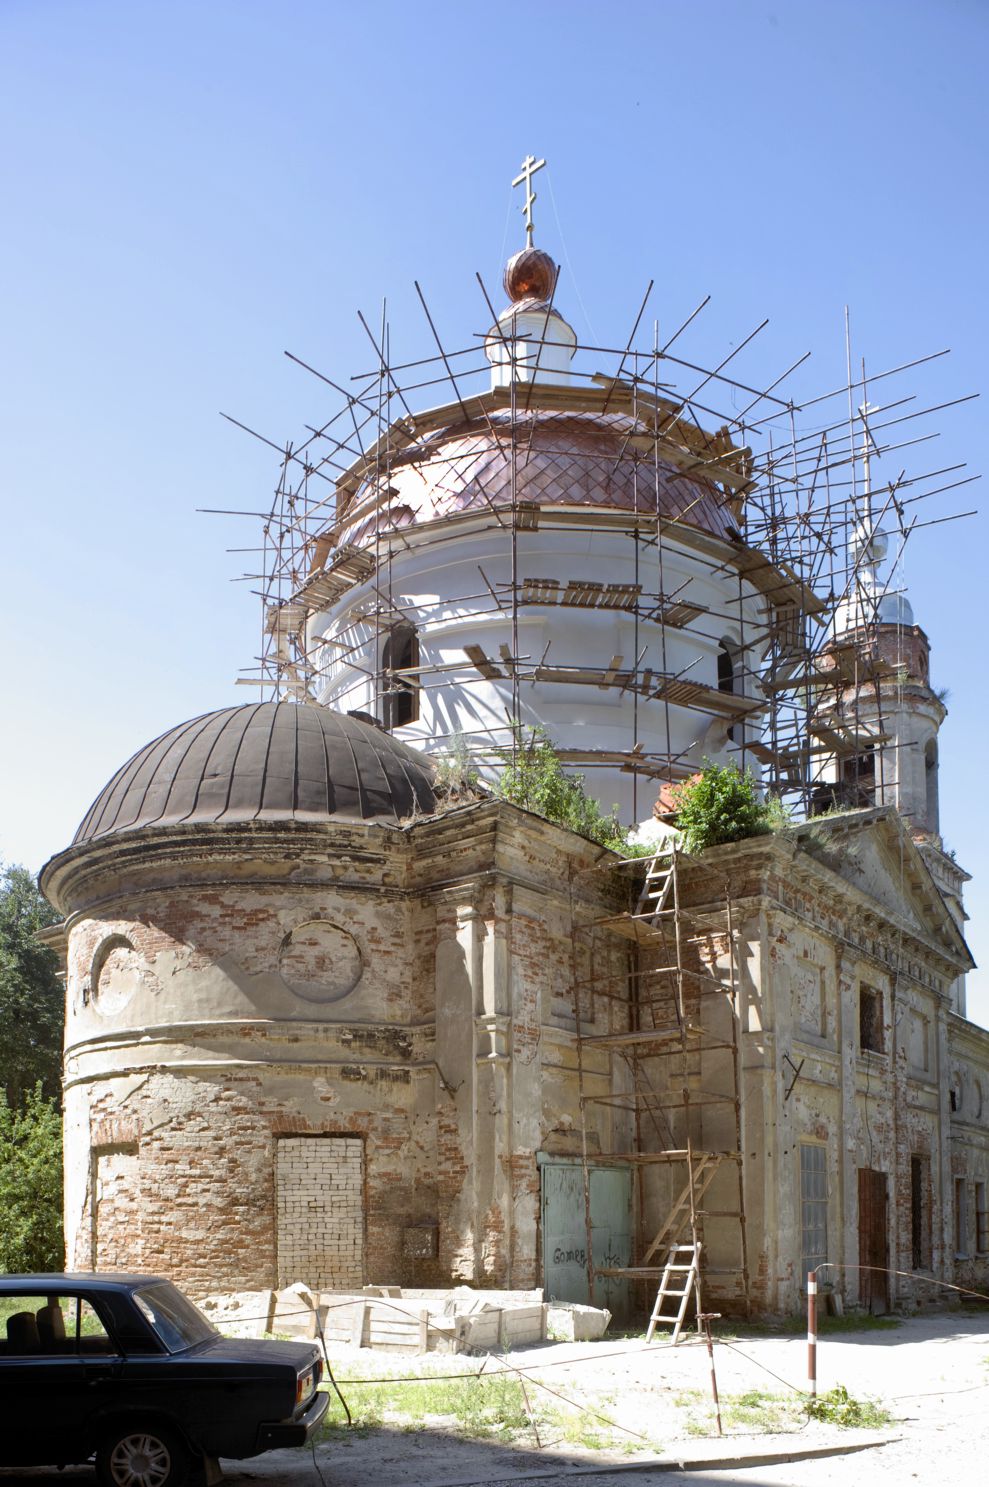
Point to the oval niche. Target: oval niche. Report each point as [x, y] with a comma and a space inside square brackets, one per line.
[320, 962]
[116, 975]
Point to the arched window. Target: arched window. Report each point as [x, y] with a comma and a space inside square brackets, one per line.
[400, 690]
[726, 668]
[931, 782]
[858, 774]
[726, 674]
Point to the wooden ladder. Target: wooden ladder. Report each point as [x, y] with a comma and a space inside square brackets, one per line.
[705, 1170]
[659, 880]
[682, 1264]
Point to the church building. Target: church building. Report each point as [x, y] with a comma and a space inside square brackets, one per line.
[338, 1012]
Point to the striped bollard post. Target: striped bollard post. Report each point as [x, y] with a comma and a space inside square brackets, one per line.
[812, 1333]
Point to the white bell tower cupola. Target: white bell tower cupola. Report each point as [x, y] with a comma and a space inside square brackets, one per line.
[879, 703]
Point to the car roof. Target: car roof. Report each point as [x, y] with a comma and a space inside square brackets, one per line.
[77, 1280]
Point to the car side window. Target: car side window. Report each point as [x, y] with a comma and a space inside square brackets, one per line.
[50, 1326]
[19, 1331]
[91, 1334]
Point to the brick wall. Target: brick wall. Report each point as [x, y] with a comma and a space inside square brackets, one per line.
[116, 1235]
[319, 1211]
[239, 1087]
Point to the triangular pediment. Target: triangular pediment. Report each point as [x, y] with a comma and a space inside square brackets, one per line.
[873, 851]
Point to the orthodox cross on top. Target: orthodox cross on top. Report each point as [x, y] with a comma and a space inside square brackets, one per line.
[529, 167]
[869, 447]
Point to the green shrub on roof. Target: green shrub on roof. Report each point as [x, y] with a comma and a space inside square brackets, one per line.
[533, 777]
[721, 804]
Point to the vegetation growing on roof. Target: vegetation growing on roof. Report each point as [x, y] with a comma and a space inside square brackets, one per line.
[455, 775]
[721, 805]
[533, 777]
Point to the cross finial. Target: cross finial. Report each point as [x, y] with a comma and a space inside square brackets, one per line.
[868, 446]
[529, 167]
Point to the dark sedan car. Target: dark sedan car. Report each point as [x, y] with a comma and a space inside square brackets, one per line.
[126, 1369]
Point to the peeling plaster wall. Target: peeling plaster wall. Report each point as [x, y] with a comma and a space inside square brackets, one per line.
[968, 1054]
[411, 989]
[808, 942]
[421, 991]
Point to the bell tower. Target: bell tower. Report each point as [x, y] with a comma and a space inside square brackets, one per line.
[877, 709]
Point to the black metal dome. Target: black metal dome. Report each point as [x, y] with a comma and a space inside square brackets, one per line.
[270, 761]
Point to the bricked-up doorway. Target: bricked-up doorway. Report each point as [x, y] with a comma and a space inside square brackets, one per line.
[873, 1240]
[115, 1222]
[319, 1211]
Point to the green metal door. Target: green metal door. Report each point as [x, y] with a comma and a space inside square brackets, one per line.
[565, 1257]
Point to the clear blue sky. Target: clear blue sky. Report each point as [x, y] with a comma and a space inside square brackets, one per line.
[192, 188]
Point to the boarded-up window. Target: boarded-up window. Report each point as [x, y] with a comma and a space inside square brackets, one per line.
[981, 1219]
[813, 1207]
[319, 1196]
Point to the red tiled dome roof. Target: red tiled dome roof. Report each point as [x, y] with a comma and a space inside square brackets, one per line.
[560, 459]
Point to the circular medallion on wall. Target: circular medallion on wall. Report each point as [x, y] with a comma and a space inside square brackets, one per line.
[320, 962]
[116, 974]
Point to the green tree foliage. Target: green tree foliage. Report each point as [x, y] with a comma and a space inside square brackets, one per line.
[721, 805]
[533, 777]
[31, 998]
[30, 1183]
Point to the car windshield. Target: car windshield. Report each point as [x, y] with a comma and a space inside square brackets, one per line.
[177, 1322]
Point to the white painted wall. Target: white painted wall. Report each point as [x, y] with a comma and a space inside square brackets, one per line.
[435, 579]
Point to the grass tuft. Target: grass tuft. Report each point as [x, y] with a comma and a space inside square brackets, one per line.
[755, 1410]
[476, 1407]
[838, 1407]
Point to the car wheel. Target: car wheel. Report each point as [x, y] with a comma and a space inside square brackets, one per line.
[142, 1456]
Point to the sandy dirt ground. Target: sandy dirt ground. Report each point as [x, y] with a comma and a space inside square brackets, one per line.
[931, 1373]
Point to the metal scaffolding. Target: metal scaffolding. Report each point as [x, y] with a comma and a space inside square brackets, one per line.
[766, 492]
[776, 518]
[677, 1035]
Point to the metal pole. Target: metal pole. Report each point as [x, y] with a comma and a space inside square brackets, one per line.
[812, 1333]
[707, 1318]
